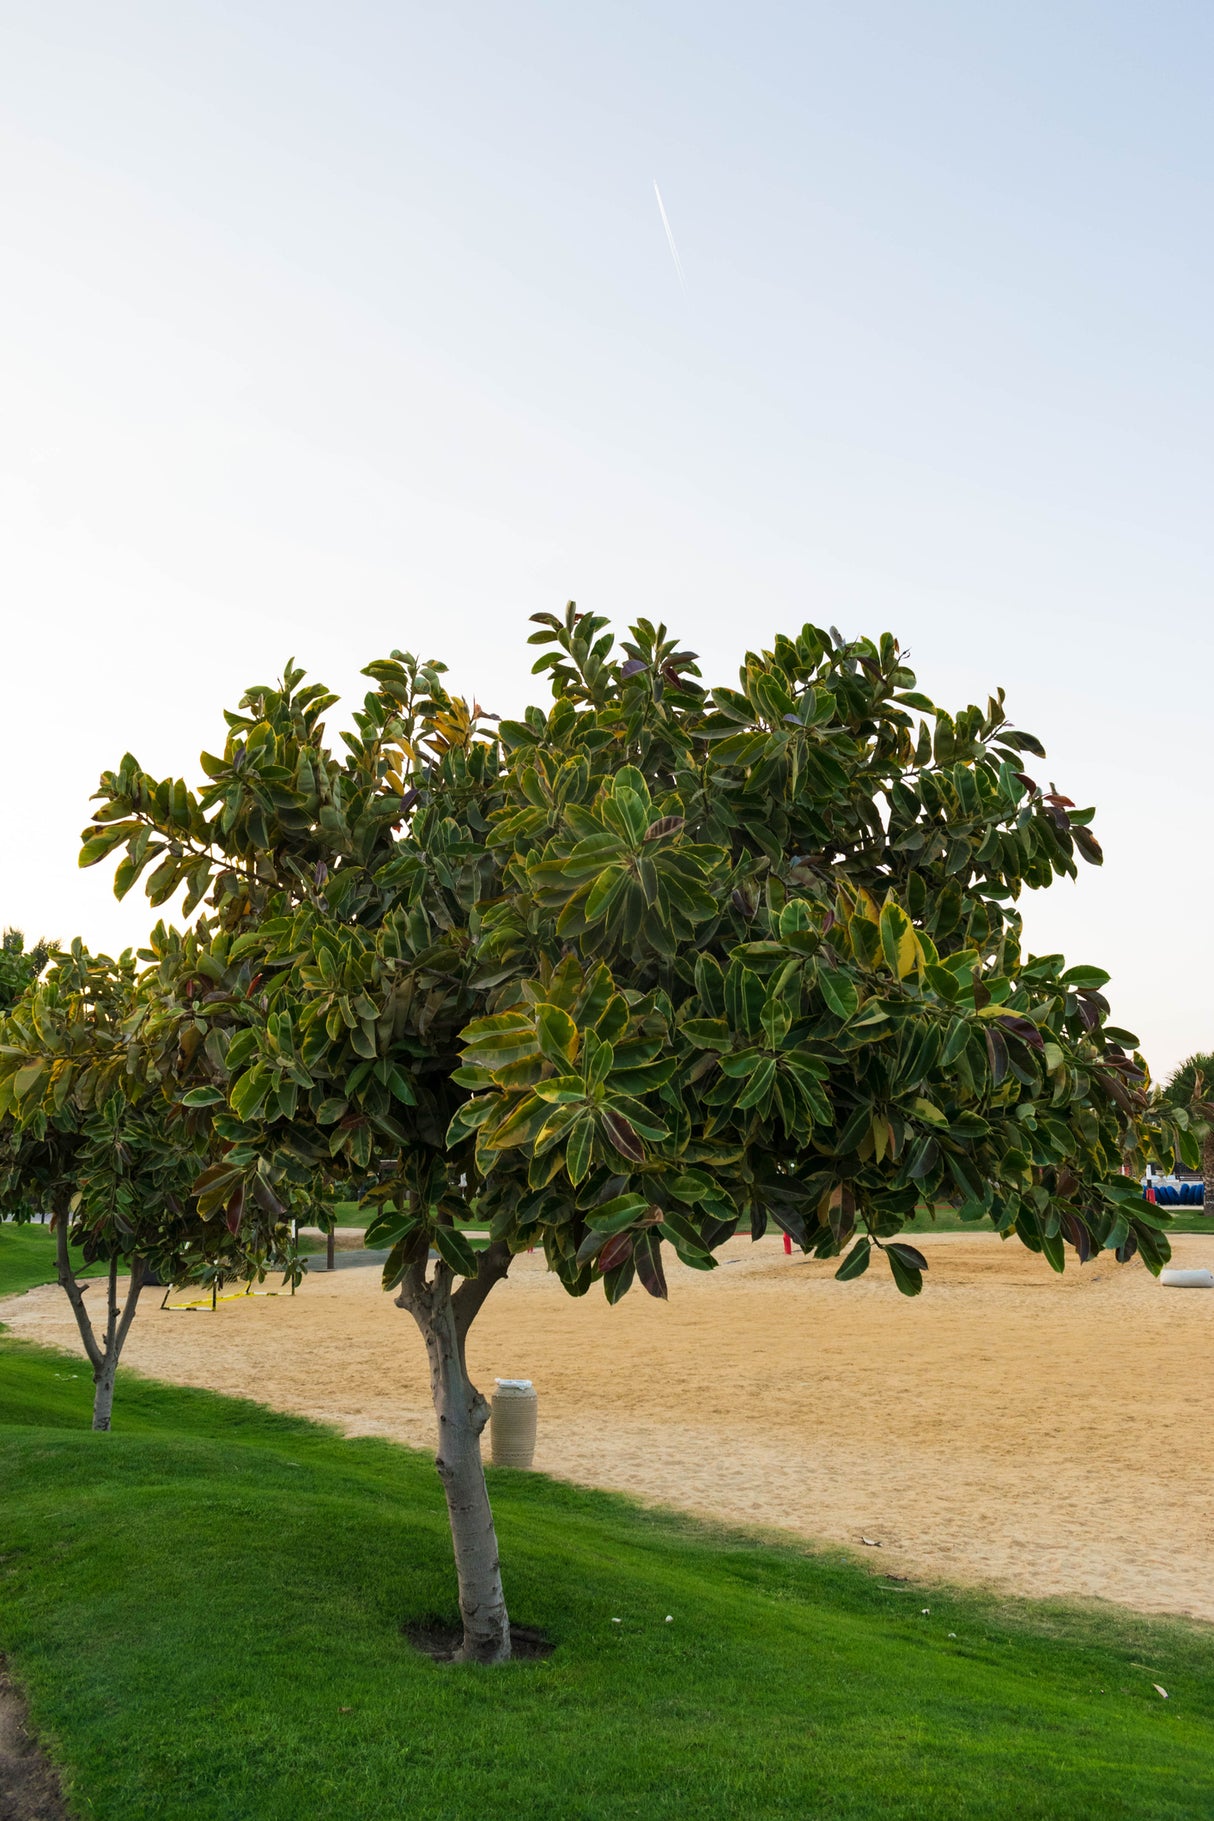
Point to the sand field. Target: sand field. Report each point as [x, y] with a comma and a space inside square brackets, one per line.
[1047, 1435]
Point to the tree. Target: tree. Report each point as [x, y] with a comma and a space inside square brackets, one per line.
[85, 1127]
[1190, 1091]
[653, 967]
[19, 966]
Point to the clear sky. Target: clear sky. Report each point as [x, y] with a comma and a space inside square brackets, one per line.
[327, 329]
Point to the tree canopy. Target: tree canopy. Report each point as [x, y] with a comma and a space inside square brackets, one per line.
[88, 1131]
[651, 967]
[1189, 1095]
[19, 966]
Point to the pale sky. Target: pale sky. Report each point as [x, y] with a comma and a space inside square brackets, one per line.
[327, 329]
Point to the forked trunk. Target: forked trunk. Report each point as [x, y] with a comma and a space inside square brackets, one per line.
[444, 1319]
[103, 1355]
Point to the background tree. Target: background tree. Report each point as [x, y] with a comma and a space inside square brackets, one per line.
[645, 970]
[86, 1129]
[1190, 1090]
[19, 966]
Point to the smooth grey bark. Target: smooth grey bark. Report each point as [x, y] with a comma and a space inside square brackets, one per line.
[444, 1317]
[103, 1393]
[103, 1356]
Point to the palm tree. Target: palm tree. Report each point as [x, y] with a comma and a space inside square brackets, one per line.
[1192, 1086]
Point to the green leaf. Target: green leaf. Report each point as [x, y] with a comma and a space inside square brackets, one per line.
[96, 847]
[618, 1282]
[908, 1255]
[924, 1158]
[707, 1033]
[498, 1040]
[909, 1278]
[455, 1250]
[1088, 845]
[249, 1091]
[839, 993]
[744, 998]
[598, 1059]
[1089, 979]
[759, 1084]
[561, 1090]
[604, 892]
[580, 1149]
[857, 1260]
[203, 1097]
[242, 1046]
[620, 1212]
[557, 1033]
[470, 1117]
[389, 1227]
[26, 1079]
[898, 941]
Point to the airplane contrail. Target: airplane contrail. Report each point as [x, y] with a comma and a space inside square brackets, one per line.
[674, 251]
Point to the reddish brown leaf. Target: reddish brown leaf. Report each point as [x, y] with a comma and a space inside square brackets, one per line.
[615, 1252]
[665, 825]
[647, 1256]
[624, 1136]
[1024, 1028]
[1075, 1231]
[211, 1174]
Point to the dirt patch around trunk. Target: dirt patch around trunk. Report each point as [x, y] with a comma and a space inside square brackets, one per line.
[438, 1639]
[29, 1784]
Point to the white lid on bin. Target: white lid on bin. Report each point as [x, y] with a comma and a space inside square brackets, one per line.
[514, 1384]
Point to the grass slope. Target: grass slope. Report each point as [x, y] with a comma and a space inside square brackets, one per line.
[206, 1609]
[27, 1258]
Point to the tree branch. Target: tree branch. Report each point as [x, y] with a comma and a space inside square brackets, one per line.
[414, 1293]
[470, 1298]
[132, 1299]
[67, 1279]
[111, 1308]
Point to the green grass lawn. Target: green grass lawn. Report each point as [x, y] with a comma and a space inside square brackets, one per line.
[27, 1257]
[206, 1609]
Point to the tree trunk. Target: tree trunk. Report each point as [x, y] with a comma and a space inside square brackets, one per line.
[444, 1318]
[103, 1392]
[1207, 1173]
[103, 1356]
[330, 1250]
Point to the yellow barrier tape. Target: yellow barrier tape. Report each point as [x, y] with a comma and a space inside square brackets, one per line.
[205, 1302]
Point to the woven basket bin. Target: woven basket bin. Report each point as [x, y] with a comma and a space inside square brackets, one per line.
[512, 1426]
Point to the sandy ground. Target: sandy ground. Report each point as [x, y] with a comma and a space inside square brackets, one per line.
[1047, 1435]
